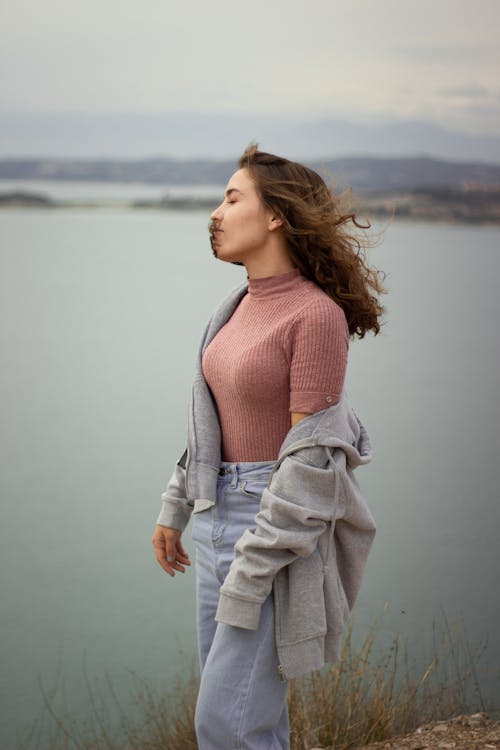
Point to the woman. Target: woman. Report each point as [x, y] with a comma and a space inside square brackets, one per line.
[280, 528]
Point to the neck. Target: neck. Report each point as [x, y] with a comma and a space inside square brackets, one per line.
[270, 264]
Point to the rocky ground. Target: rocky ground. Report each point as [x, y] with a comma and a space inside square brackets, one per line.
[475, 732]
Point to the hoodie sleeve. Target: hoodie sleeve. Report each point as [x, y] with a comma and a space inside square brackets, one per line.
[176, 509]
[294, 512]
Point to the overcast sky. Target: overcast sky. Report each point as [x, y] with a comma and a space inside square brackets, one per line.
[370, 60]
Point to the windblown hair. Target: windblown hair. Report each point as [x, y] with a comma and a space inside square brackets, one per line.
[321, 242]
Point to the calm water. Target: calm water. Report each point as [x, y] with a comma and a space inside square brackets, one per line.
[101, 313]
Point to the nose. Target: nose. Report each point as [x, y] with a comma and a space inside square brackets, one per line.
[216, 215]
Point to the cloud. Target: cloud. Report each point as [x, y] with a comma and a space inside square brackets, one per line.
[483, 110]
[368, 61]
[472, 91]
[472, 53]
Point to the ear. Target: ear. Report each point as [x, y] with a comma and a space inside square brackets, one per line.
[275, 222]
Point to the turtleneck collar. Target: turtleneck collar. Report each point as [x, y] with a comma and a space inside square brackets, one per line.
[271, 286]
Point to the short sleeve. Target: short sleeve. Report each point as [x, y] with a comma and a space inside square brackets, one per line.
[320, 345]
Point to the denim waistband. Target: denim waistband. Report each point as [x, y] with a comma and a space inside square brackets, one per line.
[245, 468]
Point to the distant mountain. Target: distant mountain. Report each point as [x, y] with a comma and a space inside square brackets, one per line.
[367, 174]
[362, 174]
[224, 136]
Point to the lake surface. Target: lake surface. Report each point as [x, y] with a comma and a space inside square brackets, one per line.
[101, 314]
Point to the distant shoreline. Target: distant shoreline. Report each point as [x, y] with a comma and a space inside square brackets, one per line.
[448, 205]
[361, 174]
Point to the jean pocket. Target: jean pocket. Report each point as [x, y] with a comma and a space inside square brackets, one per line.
[200, 524]
[253, 487]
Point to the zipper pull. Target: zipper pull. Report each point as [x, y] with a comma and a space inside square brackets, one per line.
[282, 673]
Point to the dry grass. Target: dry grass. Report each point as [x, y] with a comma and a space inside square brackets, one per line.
[371, 694]
[157, 721]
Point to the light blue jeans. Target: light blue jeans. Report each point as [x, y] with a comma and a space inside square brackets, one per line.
[242, 703]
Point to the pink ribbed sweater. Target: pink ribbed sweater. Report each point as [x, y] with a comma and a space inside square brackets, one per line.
[283, 350]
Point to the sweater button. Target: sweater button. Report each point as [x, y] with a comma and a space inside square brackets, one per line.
[329, 399]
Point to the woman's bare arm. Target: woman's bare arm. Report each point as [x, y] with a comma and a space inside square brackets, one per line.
[298, 415]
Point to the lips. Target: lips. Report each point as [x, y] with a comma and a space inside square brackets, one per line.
[213, 226]
[215, 232]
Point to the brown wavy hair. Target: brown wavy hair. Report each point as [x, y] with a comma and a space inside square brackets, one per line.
[323, 237]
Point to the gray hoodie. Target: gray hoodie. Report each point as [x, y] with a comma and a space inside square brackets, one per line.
[313, 531]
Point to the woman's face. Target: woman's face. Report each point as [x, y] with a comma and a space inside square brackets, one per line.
[241, 226]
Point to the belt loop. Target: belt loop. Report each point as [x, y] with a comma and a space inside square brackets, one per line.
[234, 480]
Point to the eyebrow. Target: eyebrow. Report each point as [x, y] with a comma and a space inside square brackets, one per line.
[232, 190]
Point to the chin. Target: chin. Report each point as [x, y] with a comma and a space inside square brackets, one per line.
[226, 258]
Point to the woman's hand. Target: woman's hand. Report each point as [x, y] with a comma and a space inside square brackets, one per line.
[169, 550]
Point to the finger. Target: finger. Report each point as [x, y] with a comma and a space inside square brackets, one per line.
[173, 558]
[182, 555]
[161, 556]
[176, 559]
[170, 549]
[177, 566]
